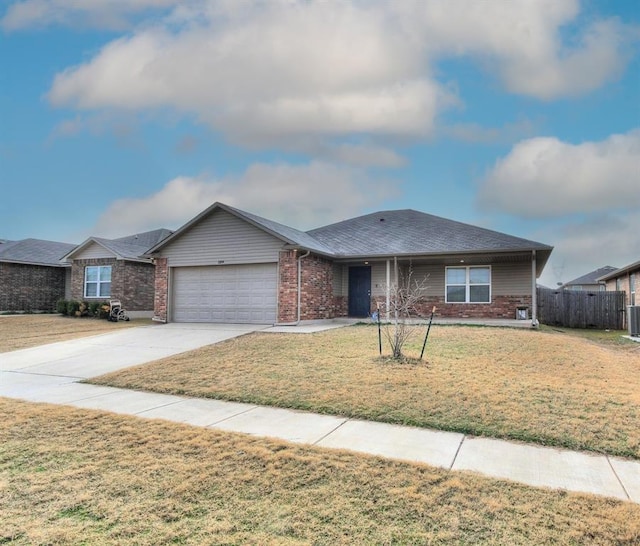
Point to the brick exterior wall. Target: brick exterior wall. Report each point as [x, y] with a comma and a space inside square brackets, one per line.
[161, 290]
[341, 306]
[131, 282]
[625, 285]
[501, 307]
[316, 279]
[317, 300]
[30, 287]
[287, 286]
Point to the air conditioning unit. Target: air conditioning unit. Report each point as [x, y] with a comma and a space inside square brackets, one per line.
[633, 314]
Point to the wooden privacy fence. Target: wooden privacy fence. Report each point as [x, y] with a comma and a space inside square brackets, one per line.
[581, 309]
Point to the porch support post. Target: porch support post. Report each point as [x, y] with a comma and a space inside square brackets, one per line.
[388, 299]
[534, 291]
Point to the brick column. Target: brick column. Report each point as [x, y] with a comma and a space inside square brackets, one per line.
[161, 290]
[287, 286]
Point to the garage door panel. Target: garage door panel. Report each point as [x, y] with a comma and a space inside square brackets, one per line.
[234, 293]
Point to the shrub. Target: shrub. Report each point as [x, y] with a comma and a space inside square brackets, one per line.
[83, 309]
[94, 308]
[72, 308]
[104, 310]
[61, 307]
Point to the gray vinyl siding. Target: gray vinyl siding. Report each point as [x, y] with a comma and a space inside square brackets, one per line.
[508, 279]
[94, 250]
[222, 238]
[511, 279]
[339, 273]
[431, 277]
[379, 278]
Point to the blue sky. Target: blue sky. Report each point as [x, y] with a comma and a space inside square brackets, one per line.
[120, 116]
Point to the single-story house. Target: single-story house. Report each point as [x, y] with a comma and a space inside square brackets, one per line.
[32, 275]
[104, 269]
[590, 282]
[228, 265]
[625, 279]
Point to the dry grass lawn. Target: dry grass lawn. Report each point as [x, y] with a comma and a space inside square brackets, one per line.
[72, 476]
[545, 387]
[23, 331]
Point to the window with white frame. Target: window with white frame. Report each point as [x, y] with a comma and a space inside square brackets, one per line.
[471, 284]
[632, 288]
[97, 281]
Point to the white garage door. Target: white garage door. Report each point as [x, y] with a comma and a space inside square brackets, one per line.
[225, 293]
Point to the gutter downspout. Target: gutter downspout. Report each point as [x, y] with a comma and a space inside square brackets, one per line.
[534, 292]
[300, 280]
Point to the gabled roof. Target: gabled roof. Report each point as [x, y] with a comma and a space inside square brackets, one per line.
[383, 234]
[290, 235]
[286, 234]
[131, 247]
[35, 252]
[410, 232]
[592, 277]
[635, 266]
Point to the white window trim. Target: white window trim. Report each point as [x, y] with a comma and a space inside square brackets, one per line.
[99, 283]
[467, 285]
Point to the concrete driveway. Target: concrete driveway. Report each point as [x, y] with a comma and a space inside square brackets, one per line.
[36, 368]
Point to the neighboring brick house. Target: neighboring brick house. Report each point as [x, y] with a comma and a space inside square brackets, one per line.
[625, 279]
[32, 275]
[228, 265]
[104, 269]
[590, 282]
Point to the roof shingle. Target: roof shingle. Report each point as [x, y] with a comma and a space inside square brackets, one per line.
[35, 252]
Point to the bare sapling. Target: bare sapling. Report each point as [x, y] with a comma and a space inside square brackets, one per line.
[402, 310]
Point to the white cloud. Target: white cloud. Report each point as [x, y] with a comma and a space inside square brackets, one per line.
[109, 14]
[545, 177]
[280, 70]
[587, 245]
[522, 42]
[302, 196]
[260, 71]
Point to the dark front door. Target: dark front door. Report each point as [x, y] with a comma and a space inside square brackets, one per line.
[359, 291]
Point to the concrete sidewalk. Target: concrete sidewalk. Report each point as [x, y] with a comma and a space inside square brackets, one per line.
[51, 374]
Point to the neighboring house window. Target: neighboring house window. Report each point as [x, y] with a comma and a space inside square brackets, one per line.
[468, 285]
[619, 284]
[97, 281]
[632, 288]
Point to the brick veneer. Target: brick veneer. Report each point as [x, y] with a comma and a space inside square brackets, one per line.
[30, 287]
[317, 300]
[161, 290]
[316, 294]
[287, 286]
[501, 307]
[131, 282]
